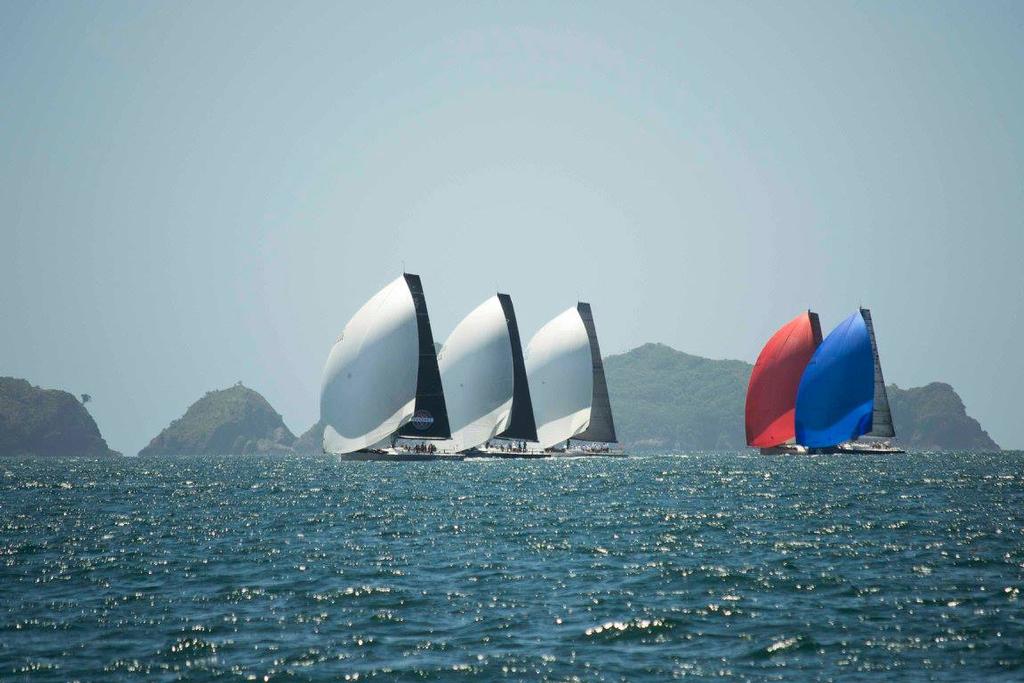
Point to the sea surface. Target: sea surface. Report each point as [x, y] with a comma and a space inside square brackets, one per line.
[704, 566]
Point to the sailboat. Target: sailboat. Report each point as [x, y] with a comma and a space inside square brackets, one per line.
[484, 377]
[568, 386]
[808, 395]
[842, 405]
[771, 394]
[381, 387]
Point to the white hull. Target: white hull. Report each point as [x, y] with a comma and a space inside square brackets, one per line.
[851, 448]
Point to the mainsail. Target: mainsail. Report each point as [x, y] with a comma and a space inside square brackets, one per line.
[771, 393]
[881, 418]
[561, 375]
[835, 400]
[521, 423]
[374, 381]
[602, 427]
[430, 419]
[477, 371]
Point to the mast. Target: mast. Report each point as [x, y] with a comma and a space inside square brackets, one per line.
[881, 416]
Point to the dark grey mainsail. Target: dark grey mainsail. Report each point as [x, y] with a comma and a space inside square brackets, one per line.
[521, 424]
[601, 427]
[430, 419]
[881, 416]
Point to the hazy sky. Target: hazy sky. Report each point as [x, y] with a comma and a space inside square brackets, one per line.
[193, 195]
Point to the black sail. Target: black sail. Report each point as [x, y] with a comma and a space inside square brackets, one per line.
[601, 427]
[430, 419]
[521, 423]
[881, 416]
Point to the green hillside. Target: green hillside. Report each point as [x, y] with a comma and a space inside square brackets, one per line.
[46, 422]
[235, 420]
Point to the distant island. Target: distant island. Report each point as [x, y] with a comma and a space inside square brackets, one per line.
[46, 422]
[663, 400]
[236, 420]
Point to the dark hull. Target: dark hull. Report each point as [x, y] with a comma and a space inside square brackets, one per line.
[537, 455]
[388, 456]
[589, 454]
[784, 450]
[527, 455]
[857, 450]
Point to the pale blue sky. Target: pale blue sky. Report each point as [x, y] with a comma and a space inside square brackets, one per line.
[194, 194]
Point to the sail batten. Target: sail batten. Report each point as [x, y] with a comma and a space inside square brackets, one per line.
[602, 426]
[881, 416]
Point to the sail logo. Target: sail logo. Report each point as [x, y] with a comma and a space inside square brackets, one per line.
[422, 420]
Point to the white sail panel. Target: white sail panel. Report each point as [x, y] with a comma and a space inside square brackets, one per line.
[369, 382]
[561, 375]
[477, 376]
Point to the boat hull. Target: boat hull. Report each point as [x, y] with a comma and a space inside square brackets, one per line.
[536, 455]
[785, 449]
[397, 456]
[859, 449]
[494, 453]
[846, 448]
[589, 454]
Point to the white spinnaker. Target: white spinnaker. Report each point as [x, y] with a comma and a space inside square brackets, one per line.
[477, 375]
[561, 375]
[369, 383]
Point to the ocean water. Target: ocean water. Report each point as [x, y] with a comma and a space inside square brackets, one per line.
[705, 566]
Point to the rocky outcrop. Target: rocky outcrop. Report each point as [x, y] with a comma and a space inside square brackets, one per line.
[46, 422]
[230, 421]
[933, 417]
[311, 441]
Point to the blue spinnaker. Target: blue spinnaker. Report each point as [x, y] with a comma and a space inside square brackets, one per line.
[837, 390]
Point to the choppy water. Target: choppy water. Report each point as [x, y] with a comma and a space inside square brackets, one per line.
[714, 566]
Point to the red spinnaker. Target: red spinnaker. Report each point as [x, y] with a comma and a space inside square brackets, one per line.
[771, 395]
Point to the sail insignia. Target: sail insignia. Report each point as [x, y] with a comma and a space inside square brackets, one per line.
[881, 417]
[521, 422]
[602, 426]
[430, 419]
